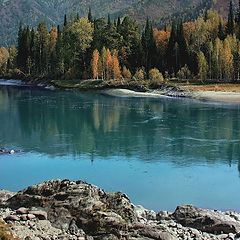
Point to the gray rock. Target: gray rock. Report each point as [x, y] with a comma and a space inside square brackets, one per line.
[205, 220]
[24, 217]
[59, 210]
[4, 196]
[94, 210]
[12, 218]
[31, 216]
[154, 233]
[41, 215]
[163, 215]
[143, 213]
[22, 210]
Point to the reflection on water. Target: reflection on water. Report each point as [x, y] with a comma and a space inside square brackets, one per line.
[179, 134]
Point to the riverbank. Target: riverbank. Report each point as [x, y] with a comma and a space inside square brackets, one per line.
[223, 93]
[78, 210]
[210, 96]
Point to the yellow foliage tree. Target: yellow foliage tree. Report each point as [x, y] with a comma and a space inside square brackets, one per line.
[95, 64]
[53, 38]
[126, 73]
[156, 76]
[140, 74]
[226, 61]
[4, 56]
[202, 66]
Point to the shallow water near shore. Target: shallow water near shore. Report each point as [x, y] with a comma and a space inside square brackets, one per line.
[160, 152]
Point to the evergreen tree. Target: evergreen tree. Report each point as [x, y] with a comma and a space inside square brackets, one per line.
[238, 13]
[149, 45]
[109, 20]
[171, 53]
[24, 48]
[58, 70]
[230, 22]
[65, 20]
[183, 47]
[90, 17]
[20, 47]
[77, 17]
[221, 32]
[131, 43]
[118, 24]
[41, 49]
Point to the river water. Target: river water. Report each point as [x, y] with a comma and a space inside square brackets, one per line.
[160, 152]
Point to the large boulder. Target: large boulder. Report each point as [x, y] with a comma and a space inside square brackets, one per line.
[206, 220]
[92, 209]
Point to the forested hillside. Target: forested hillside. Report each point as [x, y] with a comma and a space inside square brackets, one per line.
[31, 12]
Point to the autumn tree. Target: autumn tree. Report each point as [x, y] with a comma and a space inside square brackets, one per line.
[116, 66]
[126, 73]
[226, 61]
[4, 56]
[140, 74]
[53, 36]
[95, 64]
[202, 66]
[156, 76]
[108, 64]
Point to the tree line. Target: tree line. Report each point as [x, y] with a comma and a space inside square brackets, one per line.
[88, 48]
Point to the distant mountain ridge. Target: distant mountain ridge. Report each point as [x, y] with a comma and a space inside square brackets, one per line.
[31, 12]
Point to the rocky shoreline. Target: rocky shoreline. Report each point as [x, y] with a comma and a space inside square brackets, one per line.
[76, 210]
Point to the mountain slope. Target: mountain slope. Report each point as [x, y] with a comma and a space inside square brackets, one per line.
[31, 12]
[222, 6]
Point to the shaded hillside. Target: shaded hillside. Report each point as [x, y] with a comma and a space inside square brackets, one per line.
[157, 10]
[32, 12]
[222, 6]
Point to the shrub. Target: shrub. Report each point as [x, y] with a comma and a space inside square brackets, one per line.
[126, 73]
[184, 73]
[140, 74]
[156, 76]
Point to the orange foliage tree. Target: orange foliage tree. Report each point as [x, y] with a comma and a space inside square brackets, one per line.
[116, 66]
[95, 64]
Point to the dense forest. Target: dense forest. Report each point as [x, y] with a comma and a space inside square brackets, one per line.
[87, 48]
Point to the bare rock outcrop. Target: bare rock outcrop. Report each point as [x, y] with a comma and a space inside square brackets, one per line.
[205, 220]
[59, 210]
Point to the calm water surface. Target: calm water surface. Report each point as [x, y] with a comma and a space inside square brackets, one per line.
[162, 153]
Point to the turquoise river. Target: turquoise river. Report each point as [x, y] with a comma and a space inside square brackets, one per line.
[160, 152]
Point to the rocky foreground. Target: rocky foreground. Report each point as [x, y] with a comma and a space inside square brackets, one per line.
[77, 210]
